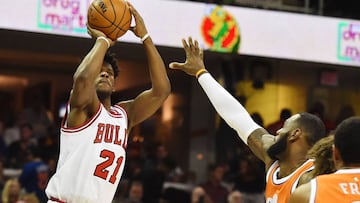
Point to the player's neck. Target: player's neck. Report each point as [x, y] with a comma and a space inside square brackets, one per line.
[290, 163]
[106, 103]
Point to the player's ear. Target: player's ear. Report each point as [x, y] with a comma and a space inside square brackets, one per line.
[295, 134]
[336, 157]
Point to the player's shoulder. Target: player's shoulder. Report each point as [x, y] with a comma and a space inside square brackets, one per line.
[301, 194]
[125, 104]
[305, 177]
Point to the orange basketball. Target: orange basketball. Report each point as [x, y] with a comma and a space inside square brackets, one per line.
[112, 17]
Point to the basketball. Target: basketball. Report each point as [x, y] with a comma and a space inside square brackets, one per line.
[112, 17]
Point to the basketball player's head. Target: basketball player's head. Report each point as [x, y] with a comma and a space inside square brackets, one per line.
[106, 79]
[300, 129]
[347, 143]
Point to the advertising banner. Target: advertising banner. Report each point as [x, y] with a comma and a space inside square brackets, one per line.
[227, 29]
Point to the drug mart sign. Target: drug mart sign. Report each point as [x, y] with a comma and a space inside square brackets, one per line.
[349, 42]
[67, 15]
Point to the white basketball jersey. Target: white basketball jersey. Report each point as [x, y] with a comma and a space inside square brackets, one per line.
[92, 159]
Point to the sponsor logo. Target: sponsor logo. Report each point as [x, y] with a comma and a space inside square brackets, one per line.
[65, 15]
[348, 42]
[220, 30]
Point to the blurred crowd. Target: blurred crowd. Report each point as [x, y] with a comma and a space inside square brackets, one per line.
[29, 146]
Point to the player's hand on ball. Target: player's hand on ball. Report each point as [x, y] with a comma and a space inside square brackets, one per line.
[96, 33]
[139, 29]
[194, 58]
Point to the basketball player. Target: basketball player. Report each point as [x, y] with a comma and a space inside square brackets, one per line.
[343, 185]
[94, 133]
[284, 155]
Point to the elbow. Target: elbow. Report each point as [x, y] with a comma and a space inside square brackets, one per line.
[162, 91]
[81, 73]
[165, 93]
[167, 90]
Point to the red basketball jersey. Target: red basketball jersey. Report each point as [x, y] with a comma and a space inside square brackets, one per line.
[91, 159]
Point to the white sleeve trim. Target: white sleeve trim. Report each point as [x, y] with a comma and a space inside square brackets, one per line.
[313, 190]
[228, 107]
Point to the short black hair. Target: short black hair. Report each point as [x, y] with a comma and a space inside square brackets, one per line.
[111, 59]
[347, 140]
[285, 114]
[313, 126]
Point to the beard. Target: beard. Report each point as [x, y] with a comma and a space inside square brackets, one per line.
[278, 147]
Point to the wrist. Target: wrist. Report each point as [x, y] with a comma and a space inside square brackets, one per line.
[104, 39]
[200, 72]
[145, 37]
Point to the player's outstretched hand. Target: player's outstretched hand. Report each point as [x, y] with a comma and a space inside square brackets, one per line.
[194, 58]
[139, 29]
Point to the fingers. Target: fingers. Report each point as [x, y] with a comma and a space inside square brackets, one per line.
[139, 29]
[196, 46]
[192, 45]
[185, 45]
[134, 12]
[132, 9]
[89, 29]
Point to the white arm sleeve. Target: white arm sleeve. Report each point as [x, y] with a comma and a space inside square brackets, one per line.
[228, 107]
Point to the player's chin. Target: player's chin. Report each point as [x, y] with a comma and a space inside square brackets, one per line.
[103, 92]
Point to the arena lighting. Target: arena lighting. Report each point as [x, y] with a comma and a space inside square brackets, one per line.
[172, 114]
[167, 112]
[9, 82]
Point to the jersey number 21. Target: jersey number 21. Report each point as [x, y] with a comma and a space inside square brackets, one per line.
[101, 169]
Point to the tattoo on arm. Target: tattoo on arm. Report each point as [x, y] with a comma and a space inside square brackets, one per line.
[259, 141]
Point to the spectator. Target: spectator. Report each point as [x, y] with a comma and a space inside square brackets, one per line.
[256, 116]
[19, 150]
[11, 191]
[12, 130]
[35, 176]
[235, 197]
[275, 126]
[213, 187]
[250, 179]
[318, 109]
[162, 155]
[38, 116]
[199, 195]
[135, 193]
[345, 112]
[29, 198]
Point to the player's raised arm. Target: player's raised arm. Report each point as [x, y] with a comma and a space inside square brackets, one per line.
[83, 98]
[225, 104]
[149, 101]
